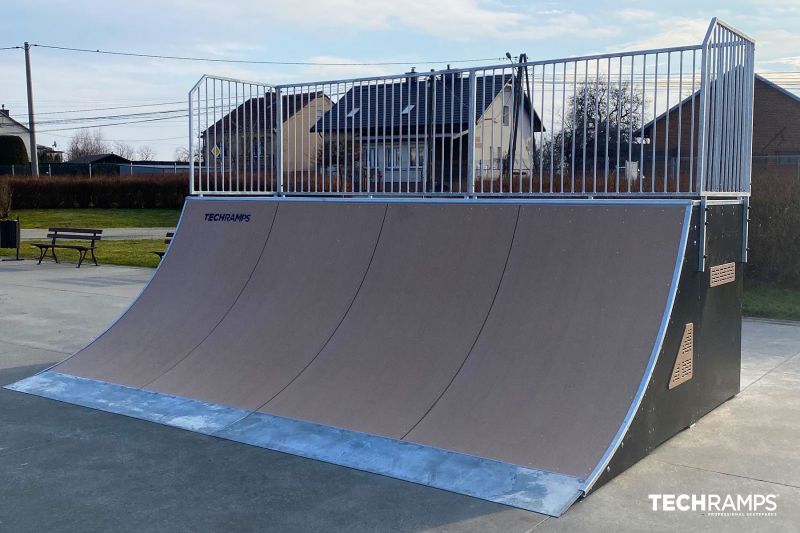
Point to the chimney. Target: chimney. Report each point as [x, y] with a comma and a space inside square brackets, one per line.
[3, 110]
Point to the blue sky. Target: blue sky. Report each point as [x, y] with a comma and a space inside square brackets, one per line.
[332, 31]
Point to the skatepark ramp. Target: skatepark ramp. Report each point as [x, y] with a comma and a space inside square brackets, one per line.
[518, 351]
[515, 347]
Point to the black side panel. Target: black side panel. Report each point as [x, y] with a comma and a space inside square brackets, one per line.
[716, 315]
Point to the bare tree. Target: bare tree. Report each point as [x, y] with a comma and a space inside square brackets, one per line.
[124, 150]
[146, 153]
[182, 154]
[601, 115]
[86, 142]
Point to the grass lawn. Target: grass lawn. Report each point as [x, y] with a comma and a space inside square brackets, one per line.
[97, 218]
[765, 301]
[111, 252]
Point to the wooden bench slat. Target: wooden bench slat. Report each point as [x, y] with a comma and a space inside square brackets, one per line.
[70, 237]
[74, 230]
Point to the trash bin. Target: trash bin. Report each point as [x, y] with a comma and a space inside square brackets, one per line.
[9, 233]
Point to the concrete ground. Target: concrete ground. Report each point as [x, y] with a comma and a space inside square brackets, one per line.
[67, 468]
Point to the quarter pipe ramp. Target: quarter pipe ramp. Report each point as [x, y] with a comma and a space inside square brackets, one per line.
[517, 351]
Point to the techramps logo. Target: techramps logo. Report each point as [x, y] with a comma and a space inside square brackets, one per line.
[719, 505]
[227, 217]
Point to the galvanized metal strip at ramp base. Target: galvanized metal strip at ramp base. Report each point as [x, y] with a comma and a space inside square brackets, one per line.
[490, 348]
[535, 490]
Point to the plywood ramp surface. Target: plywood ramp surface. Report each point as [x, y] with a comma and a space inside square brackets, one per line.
[204, 271]
[565, 346]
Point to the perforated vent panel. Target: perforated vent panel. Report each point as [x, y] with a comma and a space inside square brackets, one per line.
[722, 274]
[684, 361]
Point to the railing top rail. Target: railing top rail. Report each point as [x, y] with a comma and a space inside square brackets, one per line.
[715, 22]
[497, 66]
[232, 80]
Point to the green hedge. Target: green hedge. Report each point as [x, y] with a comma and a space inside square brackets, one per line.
[137, 191]
[775, 225]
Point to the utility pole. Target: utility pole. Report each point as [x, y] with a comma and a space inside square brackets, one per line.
[31, 125]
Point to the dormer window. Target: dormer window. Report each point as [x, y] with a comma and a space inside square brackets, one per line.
[407, 109]
[353, 112]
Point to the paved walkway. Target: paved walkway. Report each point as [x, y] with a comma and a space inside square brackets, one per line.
[65, 468]
[108, 233]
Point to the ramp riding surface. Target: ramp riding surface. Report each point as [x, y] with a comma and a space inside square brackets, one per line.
[493, 348]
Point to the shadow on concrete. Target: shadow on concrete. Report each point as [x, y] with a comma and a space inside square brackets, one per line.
[68, 468]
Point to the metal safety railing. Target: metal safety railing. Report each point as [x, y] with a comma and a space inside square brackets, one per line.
[667, 122]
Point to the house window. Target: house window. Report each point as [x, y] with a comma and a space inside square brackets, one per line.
[416, 157]
[353, 112]
[392, 157]
[372, 156]
[407, 109]
[506, 115]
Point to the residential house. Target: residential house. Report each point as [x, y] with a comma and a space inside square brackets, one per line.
[247, 135]
[776, 135]
[49, 154]
[100, 159]
[416, 129]
[9, 126]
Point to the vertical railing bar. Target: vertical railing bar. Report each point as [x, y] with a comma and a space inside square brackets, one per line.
[619, 125]
[400, 141]
[215, 128]
[191, 143]
[544, 137]
[471, 113]
[631, 115]
[583, 139]
[573, 119]
[206, 139]
[420, 152]
[250, 144]
[426, 144]
[236, 115]
[680, 122]
[641, 138]
[552, 124]
[596, 123]
[608, 122]
[692, 177]
[356, 118]
[718, 122]
[666, 126]
[452, 120]
[278, 125]
[653, 141]
[563, 123]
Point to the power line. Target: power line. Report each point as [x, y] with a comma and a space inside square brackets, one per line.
[116, 123]
[112, 117]
[11, 48]
[108, 108]
[261, 62]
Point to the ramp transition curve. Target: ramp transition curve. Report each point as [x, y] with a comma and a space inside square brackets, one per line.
[499, 349]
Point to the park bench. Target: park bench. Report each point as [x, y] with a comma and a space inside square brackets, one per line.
[57, 237]
[167, 240]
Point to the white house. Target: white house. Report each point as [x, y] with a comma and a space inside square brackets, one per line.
[9, 126]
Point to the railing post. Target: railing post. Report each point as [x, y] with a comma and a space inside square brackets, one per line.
[279, 133]
[702, 131]
[191, 146]
[702, 148]
[473, 89]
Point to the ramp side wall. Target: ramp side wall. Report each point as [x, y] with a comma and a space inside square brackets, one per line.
[716, 315]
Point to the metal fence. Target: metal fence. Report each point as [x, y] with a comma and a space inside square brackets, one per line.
[667, 122]
[97, 169]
